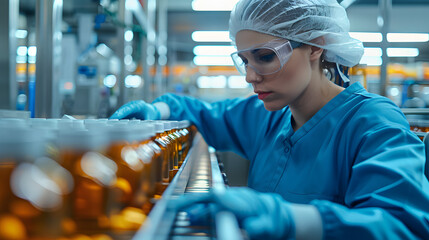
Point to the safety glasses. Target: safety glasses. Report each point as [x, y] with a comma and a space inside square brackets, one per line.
[266, 58]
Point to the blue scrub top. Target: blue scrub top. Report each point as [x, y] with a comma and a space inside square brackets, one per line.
[356, 159]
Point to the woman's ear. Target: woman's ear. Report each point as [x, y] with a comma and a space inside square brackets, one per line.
[316, 53]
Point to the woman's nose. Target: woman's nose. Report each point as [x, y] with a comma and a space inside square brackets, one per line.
[252, 76]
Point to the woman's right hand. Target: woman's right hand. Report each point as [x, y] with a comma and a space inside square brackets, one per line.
[137, 109]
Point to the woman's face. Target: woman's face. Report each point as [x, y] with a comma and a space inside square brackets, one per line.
[279, 89]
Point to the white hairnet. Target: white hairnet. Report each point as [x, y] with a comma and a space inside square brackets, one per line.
[303, 21]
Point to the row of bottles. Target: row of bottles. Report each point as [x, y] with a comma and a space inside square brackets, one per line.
[419, 126]
[85, 179]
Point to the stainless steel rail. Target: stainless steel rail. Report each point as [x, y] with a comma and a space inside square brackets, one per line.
[199, 173]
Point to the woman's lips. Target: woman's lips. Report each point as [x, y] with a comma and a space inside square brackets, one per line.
[262, 95]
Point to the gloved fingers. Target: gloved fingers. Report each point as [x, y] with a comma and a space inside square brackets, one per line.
[123, 112]
[129, 110]
[115, 115]
[201, 214]
[196, 205]
[133, 114]
[188, 200]
[243, 202]
[151, 112]
[261, 227]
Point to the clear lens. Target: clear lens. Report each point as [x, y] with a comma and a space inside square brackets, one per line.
[239, 63]
[263, 60]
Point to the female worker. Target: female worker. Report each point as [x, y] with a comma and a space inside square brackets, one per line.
[325, 162]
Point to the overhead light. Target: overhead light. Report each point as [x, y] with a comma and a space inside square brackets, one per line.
[391, 52]
[32, 59]
[21, 51]
[373, 52]
[223, 36]
[128, 50]
[213, 61]
[367, 36]
[128, 59]
[133, 81]
[211, 36]
[391, 37]
[32, 51]
[21, 59]
[371, 61]
[408, 37]
[403, 52]
[237, 82]
[129, 35]
[210, 5]
[214, 50]
[211, 82]
[132, 4]
[109, 81]
[394, 91]
[21, 33]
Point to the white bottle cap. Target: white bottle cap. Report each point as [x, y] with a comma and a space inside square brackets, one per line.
[142, 132]
[13, 123]
[122, 131]
[78, 124]
[159, 127]
[82, 139]
[96, 125]
[48, 126]
[112, 122]
[150, 128]
[167, 125]
[135, 121]
[185, 124]
[174, 124]
[21, 143]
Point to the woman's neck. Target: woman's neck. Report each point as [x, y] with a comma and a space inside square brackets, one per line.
[318, 93]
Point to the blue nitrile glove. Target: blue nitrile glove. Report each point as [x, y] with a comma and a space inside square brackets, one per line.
[137, 109]
[262, 215]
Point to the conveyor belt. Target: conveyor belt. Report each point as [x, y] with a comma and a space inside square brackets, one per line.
[199, 173]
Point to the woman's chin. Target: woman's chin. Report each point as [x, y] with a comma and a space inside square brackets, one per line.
[273, 107]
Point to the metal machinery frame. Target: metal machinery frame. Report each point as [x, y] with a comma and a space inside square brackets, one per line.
[49, 36]
[9, 13]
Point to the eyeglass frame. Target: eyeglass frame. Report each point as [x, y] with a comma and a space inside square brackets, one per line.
[292, 44]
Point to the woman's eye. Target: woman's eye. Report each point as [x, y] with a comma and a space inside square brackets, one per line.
[267, 58]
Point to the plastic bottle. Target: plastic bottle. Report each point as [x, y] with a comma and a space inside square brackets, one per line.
[168, 134]
[49, 127]
[150, 153]
[33, 187]
[175, 132]
[185, 140]
[91, 203]
[124, 139]
[13, 123]
[163, 143]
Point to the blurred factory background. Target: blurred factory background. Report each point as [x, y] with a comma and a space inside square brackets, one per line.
[87, 57]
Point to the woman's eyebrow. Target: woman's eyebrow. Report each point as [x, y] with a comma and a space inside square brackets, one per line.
[256, 50]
